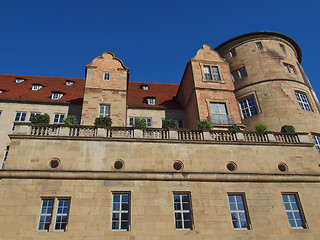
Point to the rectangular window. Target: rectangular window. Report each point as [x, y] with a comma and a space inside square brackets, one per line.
[239, 73]
[182, 211]
[120, 211]
[62, 215]
[147, 120]
[233, 52]
[4, 159]
[239, 214]
[107, 76]
[215, 73]
[104, 111]
[151, 101]
[20, 117]
[294, 211]
[259, 45]
[248, 107]
[45, 214]
[316, 140]
[289, 68]
[282, 48]
[58, 118]
[32, 115]
[303, 101]
[56, 95]
[207, 73]
[219, 113]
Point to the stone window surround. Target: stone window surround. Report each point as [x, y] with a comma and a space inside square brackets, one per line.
[309, 98]
[54, 213]
[247, 95]
[299, 206]
[214, 100]
[212, 64]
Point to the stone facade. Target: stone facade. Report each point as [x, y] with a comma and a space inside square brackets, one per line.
[72, 182]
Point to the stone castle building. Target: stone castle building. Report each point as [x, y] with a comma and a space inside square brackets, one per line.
[121, 182]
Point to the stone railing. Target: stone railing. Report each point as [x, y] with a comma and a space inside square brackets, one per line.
[159, 134]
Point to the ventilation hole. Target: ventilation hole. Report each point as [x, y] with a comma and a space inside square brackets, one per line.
[177, 165]
[231, 166]
[118, 164]
[282, 167]
[54, 163]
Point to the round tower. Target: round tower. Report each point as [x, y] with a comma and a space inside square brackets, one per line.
[270, 84]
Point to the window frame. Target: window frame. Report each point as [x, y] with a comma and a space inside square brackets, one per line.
[60, 119]
[106, 76]
[120, 212]
[316, 140]
[32, 114]
[147, 120]
[19, 80]
[56, 95]
[220, 115]
[245, 98]
[36, 87]
[233, 52]
[61, 214]
[212, 74]
[303, 105]
[245, 211]
[4, 159]
[40, 214]
[299, 210]
[239, 73]
[182, 211]
[106, 110]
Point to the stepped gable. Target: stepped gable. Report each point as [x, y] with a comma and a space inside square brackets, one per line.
[165, 95]
[23, 91]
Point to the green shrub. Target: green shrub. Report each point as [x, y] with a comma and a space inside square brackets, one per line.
[169, 123]
[140, 122]
[234, 128]
[203, 124]
[260, 127]
[103, 122]
[70, 120]
[41, 119]
[287, 129]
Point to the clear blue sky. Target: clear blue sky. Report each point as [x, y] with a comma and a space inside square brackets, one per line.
[155, 39]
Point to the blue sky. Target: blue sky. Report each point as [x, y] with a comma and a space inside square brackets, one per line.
[155, 39]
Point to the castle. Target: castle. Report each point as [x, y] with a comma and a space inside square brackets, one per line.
[125, 182]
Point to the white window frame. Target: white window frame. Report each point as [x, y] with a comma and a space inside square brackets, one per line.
[241, 213]
[46, 214]
[252, 110]
[59, 116]
[20, 116]
[32, 114]
[4, 159]
[104, 110]
[20, 80]
[69, 83]
[151, 101]
[117, 208]
[316, 140]
[36, 87]
[56, 95]
[146, 119]
[181, 209]
[61, 214]
[303, 101]
[107, 76]
[293, 208]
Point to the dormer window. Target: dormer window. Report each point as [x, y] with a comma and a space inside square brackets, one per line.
[20, 80]
[151, 100]
[56, 95]
[69, 83]
[36, 87]
[107, 76]
[145, 87]
[1, 91]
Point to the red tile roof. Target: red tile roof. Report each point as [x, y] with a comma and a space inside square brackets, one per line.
[22, 91]
[164, 94]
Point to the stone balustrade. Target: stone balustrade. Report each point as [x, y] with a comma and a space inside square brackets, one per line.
[51, 130]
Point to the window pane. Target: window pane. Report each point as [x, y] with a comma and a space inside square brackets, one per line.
[182, 216]
[238, 212]
[120, 212]
[293, 210]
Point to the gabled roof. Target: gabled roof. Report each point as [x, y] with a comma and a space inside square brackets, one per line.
[22, 91]
[164, 93]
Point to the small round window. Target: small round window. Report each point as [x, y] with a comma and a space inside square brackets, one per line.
[282, 167]
[177, 165]
[54, 163]
[119, 164]
[231, 166]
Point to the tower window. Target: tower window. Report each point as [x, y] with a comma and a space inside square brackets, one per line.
[233, 52]
[303, 101]
[259, 45]
[248, 107]
[239, 73]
